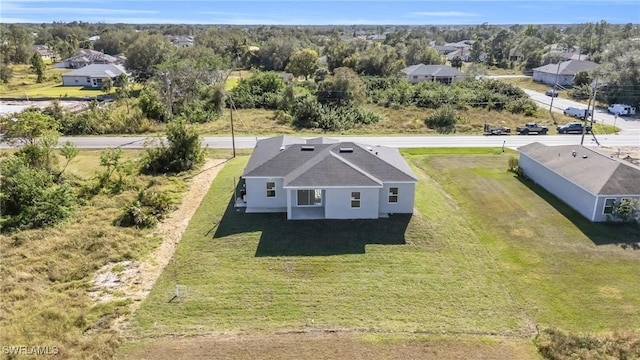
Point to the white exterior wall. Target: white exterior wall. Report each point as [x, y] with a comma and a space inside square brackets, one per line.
[338, 203]
[599, 210]
[579, 199]
[257, 193]
[75, 81]
[547, 78]
[404, 205]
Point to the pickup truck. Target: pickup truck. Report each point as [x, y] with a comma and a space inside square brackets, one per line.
[572, 127]
[530, 128]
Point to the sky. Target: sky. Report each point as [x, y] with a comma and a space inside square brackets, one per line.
[321, 12]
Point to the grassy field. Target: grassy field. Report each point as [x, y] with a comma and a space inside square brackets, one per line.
[406, 121]
[484, 254]
[23, 84]
[46, 274]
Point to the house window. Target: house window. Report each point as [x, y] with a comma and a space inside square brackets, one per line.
[355, 199]
[88, 79]
[76, 81]
[393, 195]
[309, 197]
[609, 204]
[271, 189]
[415, 76]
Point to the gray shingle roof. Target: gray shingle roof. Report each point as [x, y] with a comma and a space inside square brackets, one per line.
[97, 70]
[327, 164]
[433, 70]
[591, 170]
[570, 67]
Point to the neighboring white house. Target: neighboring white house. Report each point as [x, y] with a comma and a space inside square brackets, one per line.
[325, 179]
[86, 57]
[440, 73]
[91, 75]
[588, 181]
[561, 73]
[44, 51]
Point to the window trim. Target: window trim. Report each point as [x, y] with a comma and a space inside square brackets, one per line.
[612, 206]
[356, 199]
[271, 189]
[391, 194]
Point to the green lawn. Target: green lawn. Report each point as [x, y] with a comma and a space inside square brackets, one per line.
[54, 90]
[483, 254]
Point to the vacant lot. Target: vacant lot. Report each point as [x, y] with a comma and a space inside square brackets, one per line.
[483, 255]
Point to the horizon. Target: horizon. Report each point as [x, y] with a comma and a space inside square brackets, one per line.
[320, 13]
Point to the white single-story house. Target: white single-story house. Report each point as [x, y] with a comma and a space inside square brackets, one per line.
[588, 181]
[44, 51]
[562, 73]
[440, 73]
[323, 178]
[91, 75]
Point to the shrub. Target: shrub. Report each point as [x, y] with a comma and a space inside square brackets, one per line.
[627, 211]
[182, 153]
[554, 344]
[443, 119]
[146, 210]
[30, 197]
[519, 106]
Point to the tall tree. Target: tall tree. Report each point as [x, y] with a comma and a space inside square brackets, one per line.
[38, 66]
[456, 62]
[146, 52]
[303, 62]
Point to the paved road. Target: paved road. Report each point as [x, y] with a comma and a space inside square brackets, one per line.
[625, 123]
[510, 141]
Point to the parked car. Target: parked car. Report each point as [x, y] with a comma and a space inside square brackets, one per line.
[577, 112]
[530, 128]
[572, 127]
[551, 92]
[496, 130]
[621, 109]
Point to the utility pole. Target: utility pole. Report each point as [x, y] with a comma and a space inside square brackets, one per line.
[554, 89]
[167, 81]
[586, 114]
[233, 137]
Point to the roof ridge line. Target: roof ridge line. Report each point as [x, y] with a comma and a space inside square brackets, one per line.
[357, 168]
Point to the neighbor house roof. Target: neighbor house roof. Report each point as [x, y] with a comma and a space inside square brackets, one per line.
[570, 67]
[42, 50]
[97, 71]
[92, 58]
[322, 162]
[433, 70]
[597, 173]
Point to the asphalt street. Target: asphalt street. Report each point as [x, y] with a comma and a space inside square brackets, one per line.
[628, 136]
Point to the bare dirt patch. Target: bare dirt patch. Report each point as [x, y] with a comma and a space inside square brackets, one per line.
[328, 346]
[134, 279]
[628, 153]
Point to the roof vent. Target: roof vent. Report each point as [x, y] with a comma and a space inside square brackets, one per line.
[281, 147]
[369, 148]
[346, 150]
[584, 156]
[307, 148]
[573, 153]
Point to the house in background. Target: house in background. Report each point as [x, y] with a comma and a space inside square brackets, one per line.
[440, 73]
[323, 178]
[561, 73]
[586, 180]
[182, 41]
[91, 76]
[86, 57]
[44, 52]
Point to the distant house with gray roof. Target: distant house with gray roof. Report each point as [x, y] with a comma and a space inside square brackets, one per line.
[586, 180]
[323, 178]
[562, 73]
[91, 76]
[440, 73]
[86, 57]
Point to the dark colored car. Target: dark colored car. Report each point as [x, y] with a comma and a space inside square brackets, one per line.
[572, 127]
[551, 92]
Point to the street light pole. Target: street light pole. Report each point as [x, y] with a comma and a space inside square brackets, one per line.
[553, 94]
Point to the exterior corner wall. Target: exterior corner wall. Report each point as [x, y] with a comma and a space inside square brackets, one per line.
[338, 203]
[406, 196]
